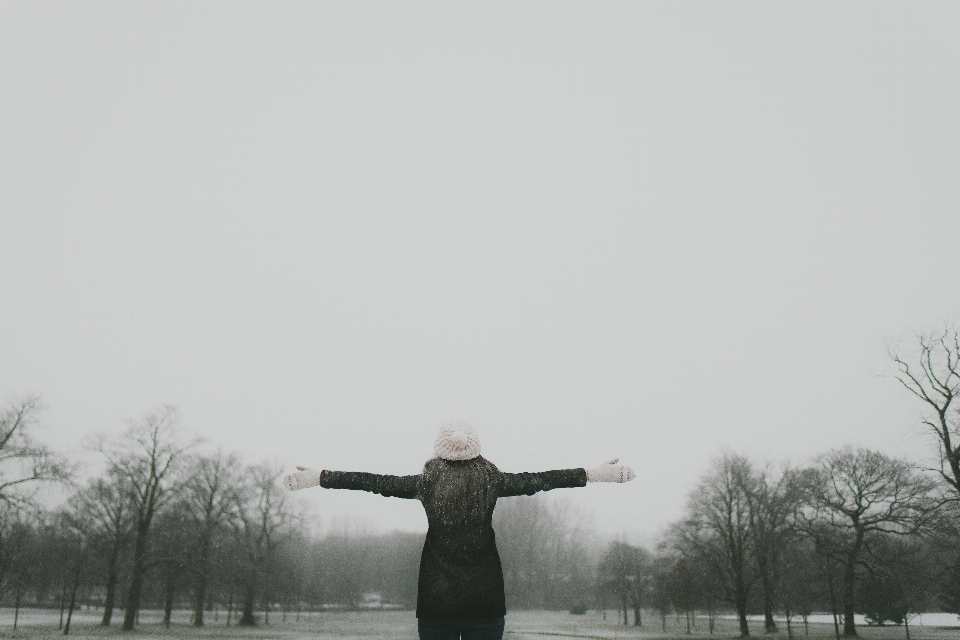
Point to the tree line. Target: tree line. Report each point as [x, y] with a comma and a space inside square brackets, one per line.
[169, 526]
[851, 531]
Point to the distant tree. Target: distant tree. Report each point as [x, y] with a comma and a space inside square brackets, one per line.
[75, 562]
[146, 457]
[625, 571]
[687, 587]
[542, 542]
[345, 562]
[851, 494]
[19, 554]
[900, 579]
[720, 529]
[949, 594]
[661, 585]
[211, 494]
[264, 519]
[774, 499]
[173, 553]
[930, 370]
[799, 582]
[399, 564]
[946, 554]
[45, 566]
[102, 512]
[23, 462]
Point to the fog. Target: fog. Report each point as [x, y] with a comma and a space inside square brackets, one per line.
[645, 230]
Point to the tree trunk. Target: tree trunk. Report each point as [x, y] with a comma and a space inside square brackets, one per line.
[906, 625]
[63, 602]
[200, 586]
[136, 582]
[637, 622]
[769, 625]
[73, 600]
[663, 620]
[200, 597]
[742, 616]
[168, 598]
[849, 577]
[16, 609]
[111, 596]
[247, 619]
[133, 600]
[766, 584]
[833, 609]
[623, 600]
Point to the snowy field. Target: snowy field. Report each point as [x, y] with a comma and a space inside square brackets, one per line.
[401, 625]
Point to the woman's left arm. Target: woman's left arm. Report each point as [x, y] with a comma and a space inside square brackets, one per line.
[385, 485]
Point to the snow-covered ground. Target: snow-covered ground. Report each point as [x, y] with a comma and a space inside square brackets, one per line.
[35, 624]
[916, 620]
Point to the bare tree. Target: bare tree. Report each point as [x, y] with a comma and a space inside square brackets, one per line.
[930, 370]
[212, 497]
[719, 529]
[799, 579]
[773, 503]
[76, 569]
[901, 574]
[172, 553]
[264, 518]
[625, 571]
[850, 494]
[542, 545]
[663, 588]
[102, 512]
[24, 462]
[146, 457]
[19, 555]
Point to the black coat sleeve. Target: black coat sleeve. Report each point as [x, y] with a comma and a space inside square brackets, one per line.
[527, 484]
[390, 486]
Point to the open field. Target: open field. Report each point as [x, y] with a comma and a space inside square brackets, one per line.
[35, 624]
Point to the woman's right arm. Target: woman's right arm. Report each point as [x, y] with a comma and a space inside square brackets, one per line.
[385, 485]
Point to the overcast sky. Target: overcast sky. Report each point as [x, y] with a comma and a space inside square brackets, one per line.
[651, 230]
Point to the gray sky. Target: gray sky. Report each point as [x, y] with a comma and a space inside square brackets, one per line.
[640, 229]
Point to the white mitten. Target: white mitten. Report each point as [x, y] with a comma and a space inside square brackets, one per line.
[610, 472]
[302, 479]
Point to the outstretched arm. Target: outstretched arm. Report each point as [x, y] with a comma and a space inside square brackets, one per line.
[390, 486]
[527, 484]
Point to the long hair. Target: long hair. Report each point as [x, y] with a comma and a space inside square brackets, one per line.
[457, 491]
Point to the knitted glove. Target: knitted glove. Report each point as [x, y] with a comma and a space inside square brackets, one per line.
[302, 479]
[610, 472]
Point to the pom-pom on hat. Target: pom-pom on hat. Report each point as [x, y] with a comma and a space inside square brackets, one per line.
[457, 440]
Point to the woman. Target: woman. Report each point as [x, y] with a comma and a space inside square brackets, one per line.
[460, 588]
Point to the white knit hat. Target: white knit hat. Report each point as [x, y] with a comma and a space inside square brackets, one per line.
[457, 440]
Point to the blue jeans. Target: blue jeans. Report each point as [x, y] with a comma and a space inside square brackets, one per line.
[457, 628]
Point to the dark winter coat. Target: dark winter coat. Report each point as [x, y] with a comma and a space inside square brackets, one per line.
[460, 572]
